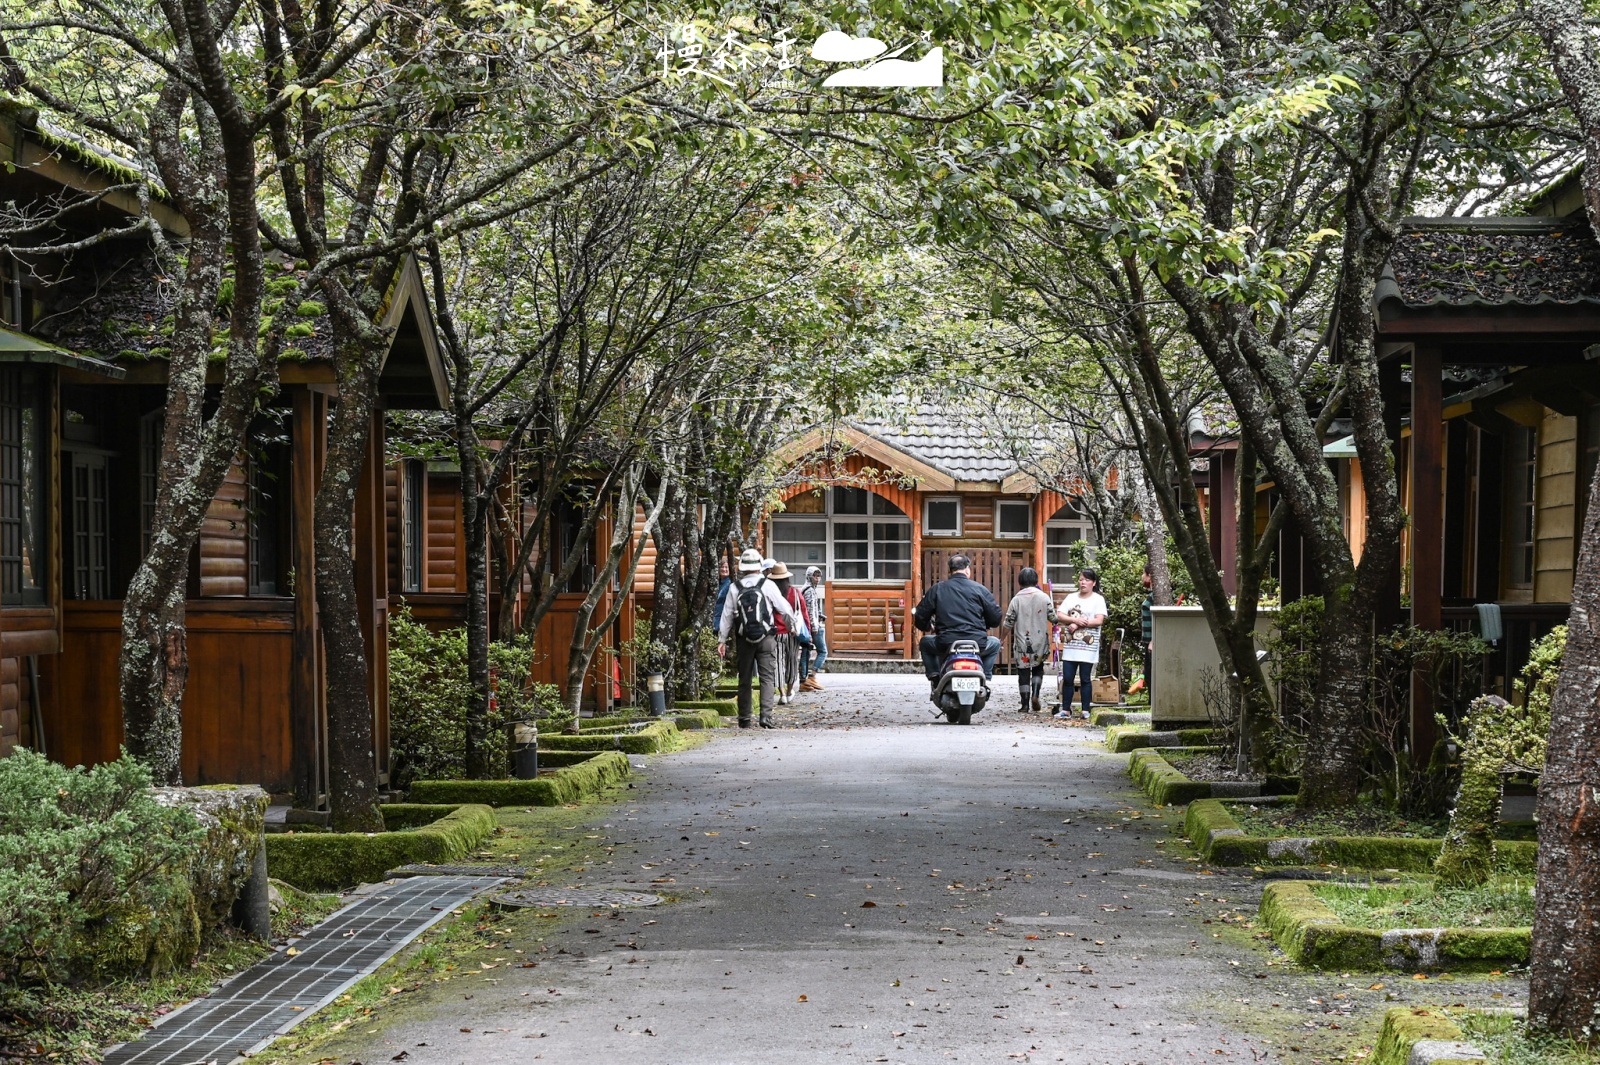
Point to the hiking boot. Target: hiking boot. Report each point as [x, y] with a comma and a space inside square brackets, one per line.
[809, 685]
[766, 722]
[1038, 705]
[744, 722]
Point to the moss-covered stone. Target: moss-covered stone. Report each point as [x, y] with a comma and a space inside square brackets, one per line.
[1164, 783]
[1219, 839]
[1404, 1027]
[657, 737]
[570, 784]
[723, 707]
[1121, 739]
[1311, 933]
[704, 718]
[398, 816]
[320, 861]
[1102, 718]
[1466, 857]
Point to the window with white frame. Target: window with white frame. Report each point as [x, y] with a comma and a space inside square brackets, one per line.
[1013, 519]
[850, 534]
[1067, 526]
[941, 517]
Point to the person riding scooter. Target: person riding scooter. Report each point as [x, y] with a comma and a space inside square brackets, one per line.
[957, 609]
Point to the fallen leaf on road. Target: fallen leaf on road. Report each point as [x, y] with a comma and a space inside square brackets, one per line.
[868, 904]
[802, 998]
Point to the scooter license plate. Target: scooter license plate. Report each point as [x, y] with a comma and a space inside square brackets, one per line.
[965, 684]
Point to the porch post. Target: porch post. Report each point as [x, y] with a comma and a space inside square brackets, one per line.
[372, 589]
[307, 713]
[1427, 527]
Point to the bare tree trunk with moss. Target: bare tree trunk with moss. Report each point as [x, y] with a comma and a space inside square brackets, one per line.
[1466, 857]
[667, 598]
[212, 180]
[1564, 980]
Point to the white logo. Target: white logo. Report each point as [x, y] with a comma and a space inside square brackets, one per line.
[886, 73]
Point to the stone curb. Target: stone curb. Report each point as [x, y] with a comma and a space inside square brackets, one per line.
[1168, 786]
[1221, 841]
[570, 784]
[1421, 1037]
[1123, 739]
[1312, 934]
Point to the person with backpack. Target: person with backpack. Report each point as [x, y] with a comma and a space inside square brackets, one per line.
[749, 619]
[1028, 620]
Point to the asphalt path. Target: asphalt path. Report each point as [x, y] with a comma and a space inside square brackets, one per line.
[869, 884]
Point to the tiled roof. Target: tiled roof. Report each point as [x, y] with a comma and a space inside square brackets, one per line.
[947, 442]
[1463, 262]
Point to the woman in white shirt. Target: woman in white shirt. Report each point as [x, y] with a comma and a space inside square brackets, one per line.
[1082, 613]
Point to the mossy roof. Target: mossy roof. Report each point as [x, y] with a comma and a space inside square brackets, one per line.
[115, 302]
[1513, 261]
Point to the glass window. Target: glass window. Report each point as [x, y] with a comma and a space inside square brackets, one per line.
[414, 525]
[23, 502]
[1520, 500]
[1013, 518]
[1059, 569]
[942, 517]
[861, 537]
[800, 543]
[88, 488]
[891, 550]
[850, 500]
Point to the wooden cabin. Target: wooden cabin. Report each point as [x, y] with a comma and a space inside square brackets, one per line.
[81, 394]
[428, 569]
[881, 507]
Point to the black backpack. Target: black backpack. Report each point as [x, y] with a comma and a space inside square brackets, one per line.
[752, 613]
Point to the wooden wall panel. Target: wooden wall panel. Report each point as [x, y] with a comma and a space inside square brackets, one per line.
[224, 543]
[873, 619]
[644, 579]
[446, 564]
[552, 640]
[236, 708]
[977, 517]
[13, 704]
[1556, 497]
[391, 521]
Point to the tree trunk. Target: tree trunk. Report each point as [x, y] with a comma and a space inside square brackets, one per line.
[1155, 537]
[475, 531]
[352, 757]
[1564, 978]
[666, 600]
[1335, 761]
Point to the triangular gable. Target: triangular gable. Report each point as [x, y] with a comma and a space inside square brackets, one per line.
[928, 478]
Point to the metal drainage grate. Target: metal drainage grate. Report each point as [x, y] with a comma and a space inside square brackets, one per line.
[588, 898]
[512, 872]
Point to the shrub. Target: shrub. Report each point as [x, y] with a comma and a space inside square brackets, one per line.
[429, 692]
[81, 852]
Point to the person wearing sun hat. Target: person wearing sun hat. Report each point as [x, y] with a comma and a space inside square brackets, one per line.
[752, 620]
[792, 636]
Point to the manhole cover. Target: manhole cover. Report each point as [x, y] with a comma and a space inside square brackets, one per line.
[589, 898]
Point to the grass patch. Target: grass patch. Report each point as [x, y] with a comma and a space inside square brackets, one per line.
[1504, 903]
[1507, 1042]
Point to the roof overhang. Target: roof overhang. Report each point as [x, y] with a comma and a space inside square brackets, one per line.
[20, 348]
[413, 375]
[928, 478]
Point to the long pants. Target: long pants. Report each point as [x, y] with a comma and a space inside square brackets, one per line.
[819, 647]
[788, 663]
[933, 653]
[1078, 675]
[1148, 674]
[1029, 680]
[752, 659]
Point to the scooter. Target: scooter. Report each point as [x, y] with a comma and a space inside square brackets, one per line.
[962, 689]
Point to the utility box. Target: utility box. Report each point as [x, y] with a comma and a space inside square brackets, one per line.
[1185, 664]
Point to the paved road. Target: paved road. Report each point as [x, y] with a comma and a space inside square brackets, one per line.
[869, 885]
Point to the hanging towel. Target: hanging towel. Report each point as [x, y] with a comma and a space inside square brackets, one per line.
[1489, 626]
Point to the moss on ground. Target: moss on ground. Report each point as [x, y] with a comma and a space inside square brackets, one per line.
[1431, 903]
[573, 783]
[324, 860]
[723, 707]
[1505, 1038]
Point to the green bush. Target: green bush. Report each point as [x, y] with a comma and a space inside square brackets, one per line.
[81, 854]
[429, 692]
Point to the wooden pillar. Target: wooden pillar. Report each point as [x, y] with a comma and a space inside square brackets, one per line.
[372, 589]
[1427, 528]
[308, 712]
[1226, 490]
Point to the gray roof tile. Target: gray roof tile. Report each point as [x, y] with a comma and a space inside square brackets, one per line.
[944, 441]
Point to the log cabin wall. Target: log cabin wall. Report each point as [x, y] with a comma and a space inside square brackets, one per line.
[224, 538]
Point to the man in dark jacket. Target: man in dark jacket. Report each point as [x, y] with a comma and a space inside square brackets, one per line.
[957, 609]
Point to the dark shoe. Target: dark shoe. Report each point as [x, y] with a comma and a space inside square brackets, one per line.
[766, 722]
[1038, 705]
[744, 722]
